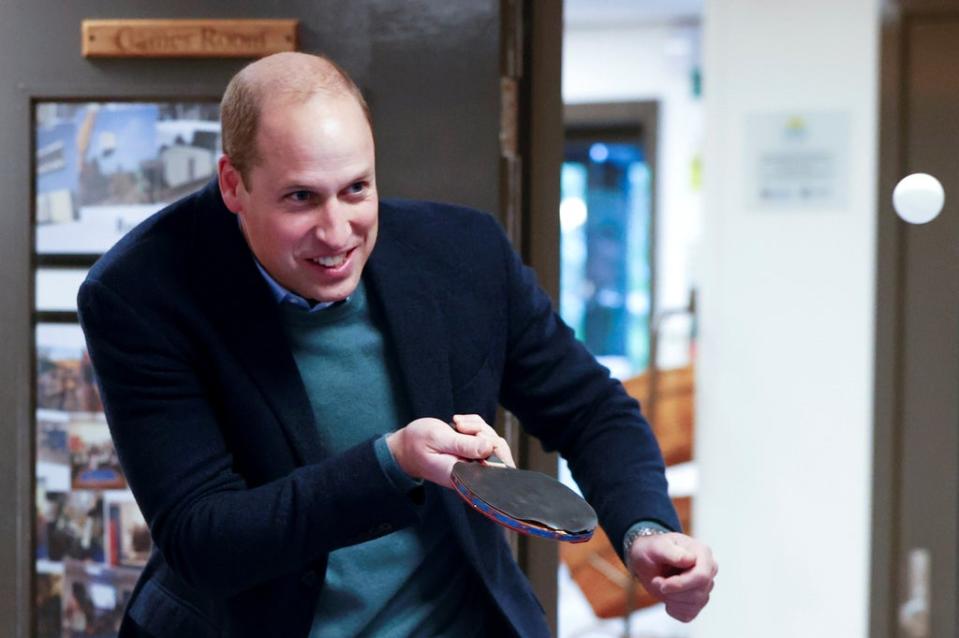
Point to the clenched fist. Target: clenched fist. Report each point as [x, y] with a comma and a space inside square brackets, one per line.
[677, 569]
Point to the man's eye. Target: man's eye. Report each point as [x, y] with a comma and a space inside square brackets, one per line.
[299, 196]
[356, 188]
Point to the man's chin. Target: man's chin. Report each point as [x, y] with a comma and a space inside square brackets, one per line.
[332, 294]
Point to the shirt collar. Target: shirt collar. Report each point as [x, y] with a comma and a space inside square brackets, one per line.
[282, 295]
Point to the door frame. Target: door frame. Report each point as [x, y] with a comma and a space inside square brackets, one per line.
[886, 395]
[533, 224]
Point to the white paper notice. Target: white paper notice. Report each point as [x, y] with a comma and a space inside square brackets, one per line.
[797, 160]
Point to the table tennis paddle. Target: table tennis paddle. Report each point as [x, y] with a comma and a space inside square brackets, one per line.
[528, 502]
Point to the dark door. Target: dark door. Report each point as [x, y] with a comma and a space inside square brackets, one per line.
[916, 497]
[431, 74]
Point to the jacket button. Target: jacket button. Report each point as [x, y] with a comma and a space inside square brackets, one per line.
[310, 579]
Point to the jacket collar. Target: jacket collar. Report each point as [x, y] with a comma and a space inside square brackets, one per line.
[243, 310]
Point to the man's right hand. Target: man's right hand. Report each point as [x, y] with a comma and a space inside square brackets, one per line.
[428, 448]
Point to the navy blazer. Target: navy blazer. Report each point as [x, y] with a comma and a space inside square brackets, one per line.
[217, 438]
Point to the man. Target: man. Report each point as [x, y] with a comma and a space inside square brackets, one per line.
[257, 369]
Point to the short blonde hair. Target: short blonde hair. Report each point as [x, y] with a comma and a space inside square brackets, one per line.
[297, 76]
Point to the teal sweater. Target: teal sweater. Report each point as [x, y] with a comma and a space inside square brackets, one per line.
[413, 582]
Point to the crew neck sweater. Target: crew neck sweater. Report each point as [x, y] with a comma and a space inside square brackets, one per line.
[411, 582]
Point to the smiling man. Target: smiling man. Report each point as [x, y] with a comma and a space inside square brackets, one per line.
[309, 209]
[279, 355]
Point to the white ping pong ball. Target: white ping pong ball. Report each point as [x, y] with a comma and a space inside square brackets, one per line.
[918, 198]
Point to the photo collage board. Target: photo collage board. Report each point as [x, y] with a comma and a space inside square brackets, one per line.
[100, 169]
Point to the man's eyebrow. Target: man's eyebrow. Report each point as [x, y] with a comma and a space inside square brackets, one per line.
[295, 186]
[361, 175]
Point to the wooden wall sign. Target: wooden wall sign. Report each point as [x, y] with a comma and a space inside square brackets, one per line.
[187, 38]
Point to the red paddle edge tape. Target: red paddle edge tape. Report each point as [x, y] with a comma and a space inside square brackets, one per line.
[523, 528]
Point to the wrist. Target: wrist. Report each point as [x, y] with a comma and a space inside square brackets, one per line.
[395, 474]
[393, 444]
[642, 529]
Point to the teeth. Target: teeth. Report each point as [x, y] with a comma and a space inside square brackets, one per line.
[331, 262]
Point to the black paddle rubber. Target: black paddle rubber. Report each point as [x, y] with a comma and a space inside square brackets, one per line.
[528, 502]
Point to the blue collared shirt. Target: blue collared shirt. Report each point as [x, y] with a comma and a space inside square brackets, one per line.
[286, 296]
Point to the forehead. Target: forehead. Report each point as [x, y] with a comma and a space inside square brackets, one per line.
[291, 113]
[328, 133]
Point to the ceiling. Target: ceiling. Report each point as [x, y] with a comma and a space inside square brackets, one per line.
[602, 12]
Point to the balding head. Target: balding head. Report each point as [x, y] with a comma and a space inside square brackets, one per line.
[280, 78]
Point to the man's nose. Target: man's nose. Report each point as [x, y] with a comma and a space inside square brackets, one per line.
[332, 224]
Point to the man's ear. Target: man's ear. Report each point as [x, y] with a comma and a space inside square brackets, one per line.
[231, 183]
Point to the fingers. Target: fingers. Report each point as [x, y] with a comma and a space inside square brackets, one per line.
[463, 445]
[472, 424]
[667, 550]
[685, 593]
[684, 612]
[501, 449]
[475, 425]
[685, 606]
[690, 581]
[438, 438]
[699, 577]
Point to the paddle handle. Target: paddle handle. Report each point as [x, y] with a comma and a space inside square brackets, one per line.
[495, 461]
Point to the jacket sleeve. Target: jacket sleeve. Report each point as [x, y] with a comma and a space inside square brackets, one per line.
[568, 401]
[215, 531]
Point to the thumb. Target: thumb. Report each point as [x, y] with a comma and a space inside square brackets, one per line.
[471, 447]
[670, 553]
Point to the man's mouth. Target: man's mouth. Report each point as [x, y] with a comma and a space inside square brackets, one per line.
[332, 261]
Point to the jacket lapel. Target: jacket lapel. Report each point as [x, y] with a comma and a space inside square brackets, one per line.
[246, 315]
[414, 322]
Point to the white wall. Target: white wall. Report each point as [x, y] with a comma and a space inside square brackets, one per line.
[651, 61]
[784, 415]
